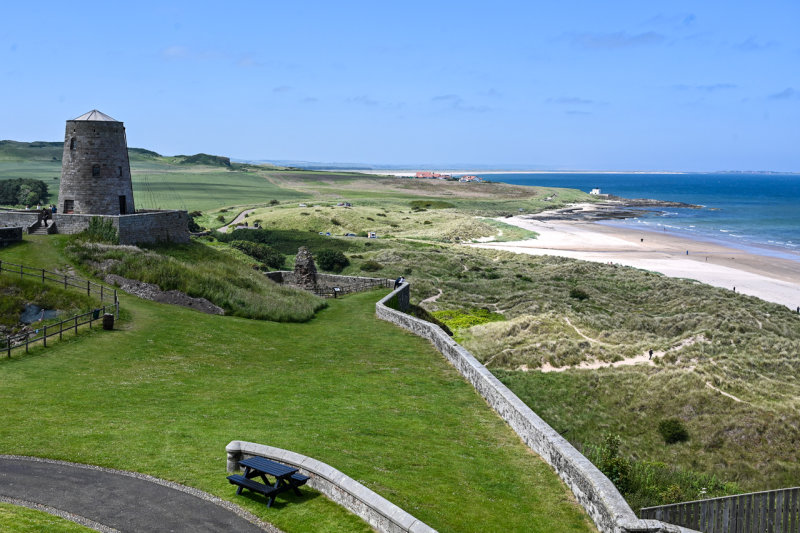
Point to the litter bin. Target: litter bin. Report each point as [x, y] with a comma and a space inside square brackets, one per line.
[95, 314]
[108, 321]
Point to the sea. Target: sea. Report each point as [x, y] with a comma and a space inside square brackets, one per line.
[755, 212]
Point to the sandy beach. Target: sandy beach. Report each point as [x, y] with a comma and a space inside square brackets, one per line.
[769, 278]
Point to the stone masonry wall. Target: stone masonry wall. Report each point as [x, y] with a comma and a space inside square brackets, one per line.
[593, 490]
[95, 171]
[9, 235]
[153, 227]
[377, 511]
[141, 228]
[22, 219]
[326, 282]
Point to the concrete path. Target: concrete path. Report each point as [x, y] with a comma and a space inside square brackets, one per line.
[112, 500]
[236, 221]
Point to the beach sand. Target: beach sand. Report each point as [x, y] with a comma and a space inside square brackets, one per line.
[769, 278]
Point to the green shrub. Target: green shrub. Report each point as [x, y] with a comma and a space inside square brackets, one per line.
[331, 260]
[274, 202]
[371, 266]
[673, 430]
[266, 254]
[578, 293]
[221, 218]
[100, 230]
[335, 222]
[430, 204]
[613, 465]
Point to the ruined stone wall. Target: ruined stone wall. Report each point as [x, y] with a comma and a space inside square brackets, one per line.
[95, 171]
[329, 281]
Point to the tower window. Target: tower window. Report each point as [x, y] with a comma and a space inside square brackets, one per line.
[95, 171]
[72, 143]
[120, 171]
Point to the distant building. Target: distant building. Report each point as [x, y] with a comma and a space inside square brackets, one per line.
[432, 175]
[465, 179]
[595, 191]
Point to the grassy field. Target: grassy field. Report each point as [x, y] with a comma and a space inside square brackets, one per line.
[726, 363]
[166, 391]
[17, 519]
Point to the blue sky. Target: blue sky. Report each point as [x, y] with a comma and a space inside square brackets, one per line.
[651, 85]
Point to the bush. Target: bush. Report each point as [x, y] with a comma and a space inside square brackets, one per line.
[673, 431]
[613, 465]
[100, 230]
[430, 204]
[578, 293]
[266, 254]
[331, 260]
[335, 222]
[371, 266]
[274, 202]
[221, 218]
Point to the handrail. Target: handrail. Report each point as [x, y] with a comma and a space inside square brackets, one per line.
[105, 293]
[24, 339]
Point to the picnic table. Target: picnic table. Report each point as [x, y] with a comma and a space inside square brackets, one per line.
[286, 478]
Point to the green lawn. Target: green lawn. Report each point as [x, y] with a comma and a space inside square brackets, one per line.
[15, 519]
[166, 391]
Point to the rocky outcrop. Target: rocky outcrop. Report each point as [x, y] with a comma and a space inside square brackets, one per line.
[149, 291]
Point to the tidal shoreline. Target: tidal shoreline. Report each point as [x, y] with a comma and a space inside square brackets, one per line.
[775, 279]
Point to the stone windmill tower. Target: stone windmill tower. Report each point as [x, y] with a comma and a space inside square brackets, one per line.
[95, 171]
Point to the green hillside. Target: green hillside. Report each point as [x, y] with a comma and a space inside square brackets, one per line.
[166, 390]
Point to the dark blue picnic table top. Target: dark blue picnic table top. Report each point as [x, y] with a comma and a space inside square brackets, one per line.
[268, 467]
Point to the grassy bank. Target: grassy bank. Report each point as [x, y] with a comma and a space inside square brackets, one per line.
[16, 519]
[165, 392]
[200, 270]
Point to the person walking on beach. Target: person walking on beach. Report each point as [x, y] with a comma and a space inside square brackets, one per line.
[651, 354]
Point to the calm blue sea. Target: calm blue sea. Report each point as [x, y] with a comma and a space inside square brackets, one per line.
[758, 212]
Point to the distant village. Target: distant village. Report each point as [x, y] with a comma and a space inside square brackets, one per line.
[436, 176]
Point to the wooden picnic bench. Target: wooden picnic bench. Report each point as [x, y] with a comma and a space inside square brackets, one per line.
[286, 478]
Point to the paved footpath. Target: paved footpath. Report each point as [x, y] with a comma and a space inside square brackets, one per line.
[111, 500]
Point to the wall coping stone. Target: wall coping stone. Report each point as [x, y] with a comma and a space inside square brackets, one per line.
[376, 510]
[593, 490]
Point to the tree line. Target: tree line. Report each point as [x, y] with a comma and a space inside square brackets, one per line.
[22, 191]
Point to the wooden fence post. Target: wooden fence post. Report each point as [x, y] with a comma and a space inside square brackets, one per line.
[61, 330]
[88, 288]
[42, 275]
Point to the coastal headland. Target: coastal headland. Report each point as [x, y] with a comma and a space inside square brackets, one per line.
[583, 231]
